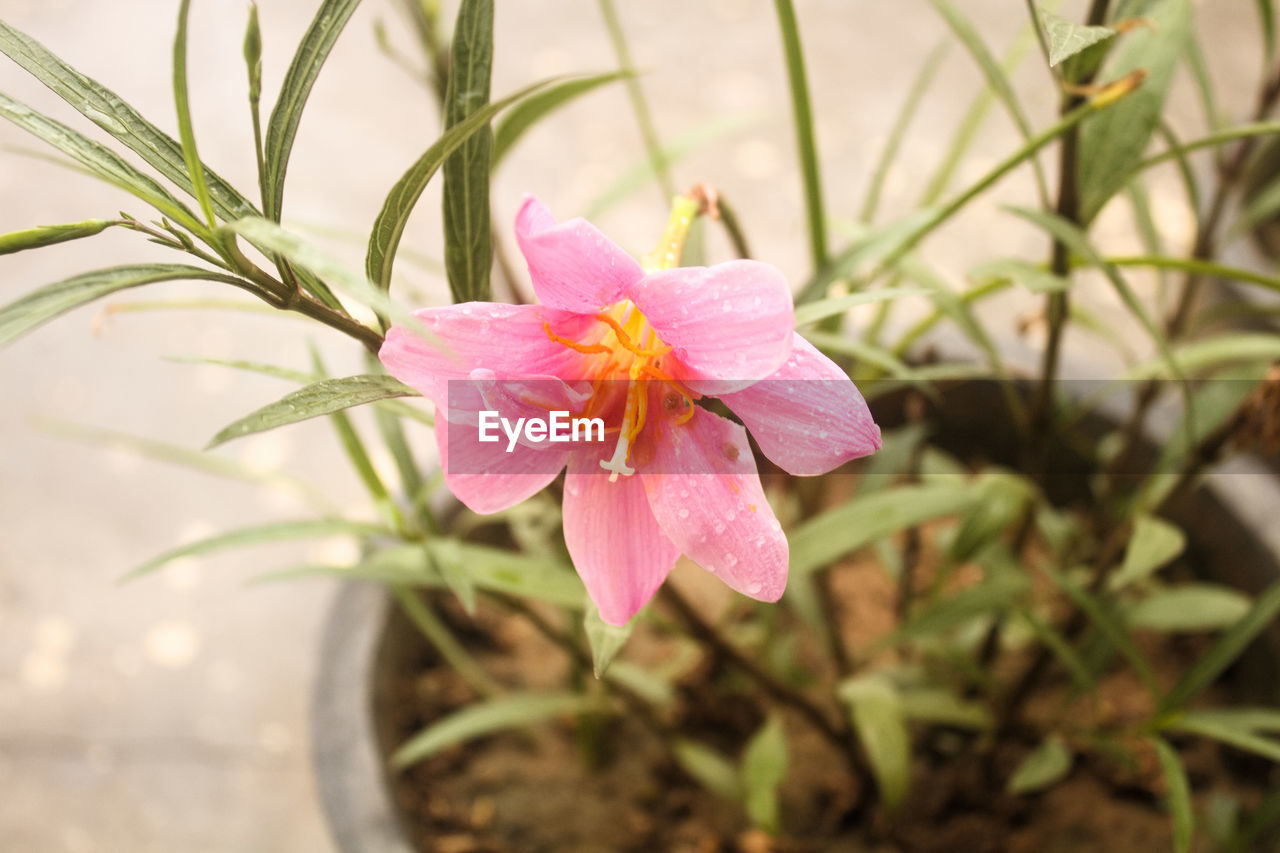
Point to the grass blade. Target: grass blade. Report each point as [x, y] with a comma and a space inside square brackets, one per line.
[468, 249]
[1178, 797]
[186, 132]
[282, 128]
[319, 398]
[106, 109]
[802, 113]
[48, 235]
[42, 305]
[520, 118]
[390, 224]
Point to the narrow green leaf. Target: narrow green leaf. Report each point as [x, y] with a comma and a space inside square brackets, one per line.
[282, 128]
[1034, 277]
[319, 398]
[468, 253]
[450, 648]
[42, 305]
[105, 109]
[1227, 134]
[1204, 355]
[835, 305]
[1226, 729]
[48, 235]
[893, 145]
[708, 768]
[1153, 544]
[1225, 650]
[997, 80]
[512, 711]
[681, 146]
[1047, 764]
[995, 594]
[524, 575]
[1267, 20]
[1112, 144]
[391, 221]
[605, 640]
[274, 532]
[1257, 720]
[97, 159]
[940, 706]
[1178, 797]
[1191, 607]
[1066, 38]
[653, 687]
[806, 144]
[520, 118]
[190, 155]
[764, 766]
[881, 725]
[1204, 268]
[848, 527]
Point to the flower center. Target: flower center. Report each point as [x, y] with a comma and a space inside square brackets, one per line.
[628, 348]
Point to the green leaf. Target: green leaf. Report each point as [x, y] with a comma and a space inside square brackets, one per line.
[319, 398]
[1227, 728]
[389, 227]
[835, 305]
[523, 575]
[840, 531]
[681, 146]
[274, 532]
[1214, 352]
[97, 159]
[195, 169]
[1112, 144]
[806, 144]
[605, 640]
[893, 144]
[468, 253]
[282, 128]
[1034, 277]
[520, 118]
[708, 768]
[881, 725]
[1193, 607]
[1153, 544]
[437, 633]
[105, 109]
[764, 766]
[48, 235]
[997, 80]
[1003, 499]
[1227, 648]
[940, 706]
[1267, 20]
[1066, 38]
[512, 711]
[1047, 764]
[996, 593]
[42, 305]
[1178, 798]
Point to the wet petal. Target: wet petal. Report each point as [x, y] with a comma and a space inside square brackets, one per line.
[732, 321]
[484, 476]
[704, 491]
[469, 334]
[615, 542]
[574, 267]
[807, 417]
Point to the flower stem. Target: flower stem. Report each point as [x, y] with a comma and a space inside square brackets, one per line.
[666, 255]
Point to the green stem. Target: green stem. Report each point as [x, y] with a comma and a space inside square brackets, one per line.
[802, 113]
[657, 158]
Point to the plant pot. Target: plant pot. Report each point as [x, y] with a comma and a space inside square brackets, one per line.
[366, 647]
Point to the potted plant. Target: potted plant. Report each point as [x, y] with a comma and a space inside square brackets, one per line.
[1009, 613]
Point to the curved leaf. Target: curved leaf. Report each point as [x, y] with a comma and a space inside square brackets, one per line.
[48, 235]
[523, 116]
[881, 726]
[1047, 763]
[21, 316]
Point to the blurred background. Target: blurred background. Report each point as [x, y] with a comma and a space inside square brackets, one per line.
[170, 714]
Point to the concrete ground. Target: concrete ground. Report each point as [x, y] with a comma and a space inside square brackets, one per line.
[170, 714]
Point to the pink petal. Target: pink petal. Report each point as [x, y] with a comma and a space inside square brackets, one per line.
[807, 417]
[732, 321]
[721, 520]
[616, 545]
[484, 476]
[508, 339]
[574, 267]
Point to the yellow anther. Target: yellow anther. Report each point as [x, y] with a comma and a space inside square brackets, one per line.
[588, 349]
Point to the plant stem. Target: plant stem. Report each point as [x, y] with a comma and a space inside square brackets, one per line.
[657, 159]
[802, 112]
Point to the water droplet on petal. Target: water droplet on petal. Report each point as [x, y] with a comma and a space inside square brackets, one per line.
[730, 560]
[684, 493]
[683, 513]
[754, 588]
[730, 515]
[720, 527]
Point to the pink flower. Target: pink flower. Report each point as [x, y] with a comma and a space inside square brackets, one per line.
[636, 349]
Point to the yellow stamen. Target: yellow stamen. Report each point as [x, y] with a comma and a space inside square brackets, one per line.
[588, 349]
[625, 339]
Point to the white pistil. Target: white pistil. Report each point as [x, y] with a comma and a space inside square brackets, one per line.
[618, 464]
